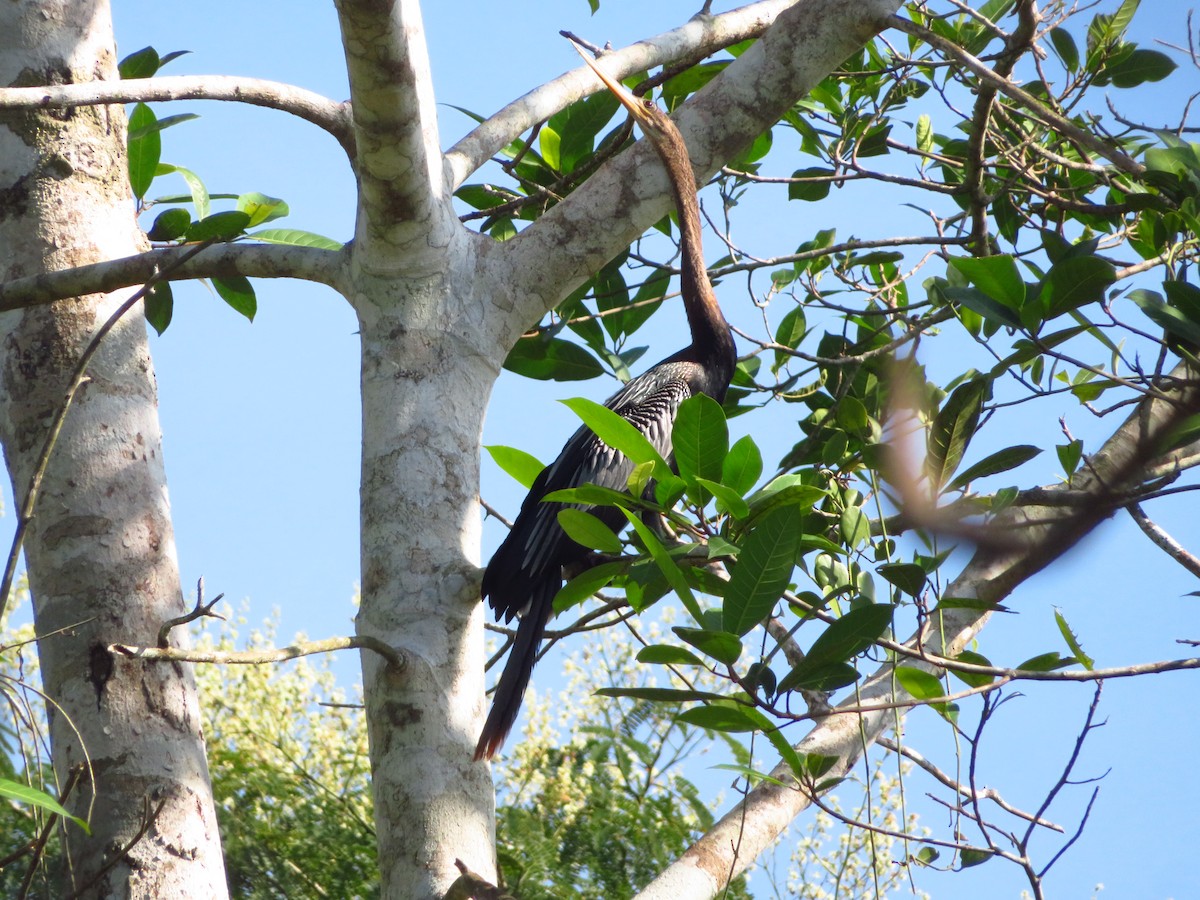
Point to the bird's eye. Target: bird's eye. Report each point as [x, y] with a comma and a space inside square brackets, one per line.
[648, 103]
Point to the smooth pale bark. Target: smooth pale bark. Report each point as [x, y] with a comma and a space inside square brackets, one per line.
[100, 549]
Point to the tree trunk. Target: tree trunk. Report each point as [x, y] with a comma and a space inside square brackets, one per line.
[100, 550]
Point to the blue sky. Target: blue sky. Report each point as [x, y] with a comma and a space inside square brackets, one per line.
[261, 423]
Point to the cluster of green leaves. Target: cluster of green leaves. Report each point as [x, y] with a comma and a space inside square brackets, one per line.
[1032, 222]
[177, 224]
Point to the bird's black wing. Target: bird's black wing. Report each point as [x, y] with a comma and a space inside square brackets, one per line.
[525, 572]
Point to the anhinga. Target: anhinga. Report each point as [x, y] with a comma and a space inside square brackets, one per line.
[527, 570]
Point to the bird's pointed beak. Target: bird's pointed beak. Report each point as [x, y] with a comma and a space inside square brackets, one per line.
[630, 102]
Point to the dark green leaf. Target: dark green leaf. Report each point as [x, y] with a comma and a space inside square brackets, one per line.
[909, 577]
[973, 679]
[1069, 455]
[979, 302]
[729, 719]
[1064, 46]
[586, 530]
[237, 291]
[763, 569]
[139, 64]
[1000, 461]
[720, 645]
[1171, 319]
[742, 466]
[953, 428]
[1046, 662]
[810, 190]
[971, 857]
[222, 226]
[823, 677]
[617, 432]
[552, 359]
[668, 655]
[844, 639]
[522, 466]
[666, 565]
[728, 500]
[700, 438]
[585, 585]
[1139, 67]
[169, 225]
[1074, 282]
[996, 276]
[159, 305]
[660, 695]
[144, 151]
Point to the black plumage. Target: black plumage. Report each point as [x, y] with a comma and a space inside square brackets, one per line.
[525, 572]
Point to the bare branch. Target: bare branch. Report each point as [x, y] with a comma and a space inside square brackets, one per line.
[251, 260]
[258, 657]
[326, 114]
[1173, 548]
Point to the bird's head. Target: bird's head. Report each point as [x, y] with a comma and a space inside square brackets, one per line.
[652, 120]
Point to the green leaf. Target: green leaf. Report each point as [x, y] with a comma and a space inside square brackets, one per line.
[971, 857]
[144, 151]
[1139, 67]
[720, 645]
[742, 466]
[160, 125]
[665, 564]
[294, 237]
[586, 584]
[169, 225]
[1000, 461]
[996, 276]
[1169, 318]
[849, 636]
[1065, 47]
[552, 359]
[855, 527]
[952, 429]
[200, 196]
[1072, 641]
[700, 438]
[521, 466]
[919, 684]
[222, 226]
[763, 569]
[810, 190]
[237, 291]
[139, 64]
[159, 305]
[668, 655]
[909, 577]
[978, 302]
[728, 719]
[973, 679]
[924, 133]
[617, 433]
[1046, 662]
[586, 530]
[261, 208]
[728, 500]
[28, 796]
[1074, 282]
[1069, 455]
[823, 677]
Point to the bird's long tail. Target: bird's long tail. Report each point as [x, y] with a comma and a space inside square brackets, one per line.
[510, 690]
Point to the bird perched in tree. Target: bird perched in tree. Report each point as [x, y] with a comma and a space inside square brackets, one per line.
[527, 570]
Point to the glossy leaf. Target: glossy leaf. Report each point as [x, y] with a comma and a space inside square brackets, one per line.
[585, 585]
[552, 359]
[1074, 282]
[763, 569]
[616, 432]
[159, 306]
[25, 795]
[666, 565]
[728, 500]
[143, 152]
[586, 530]
[919, 684]
[1000, 461]
[1140, 67]
[973, 679]
[237, 291]
[742, 466]
[700, 438]
[139, 64]
[720, 645]
[909, 577]
[1072, 641]
[952, 430]
[668, 655]
[728, 719]
[521, 466]
[222, 226]
[295, 237]
[847, 637]
[997, 276]
[261, 208]
[169, 225]
[660, 695]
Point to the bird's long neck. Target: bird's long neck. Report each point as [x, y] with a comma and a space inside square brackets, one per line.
[710, 332]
